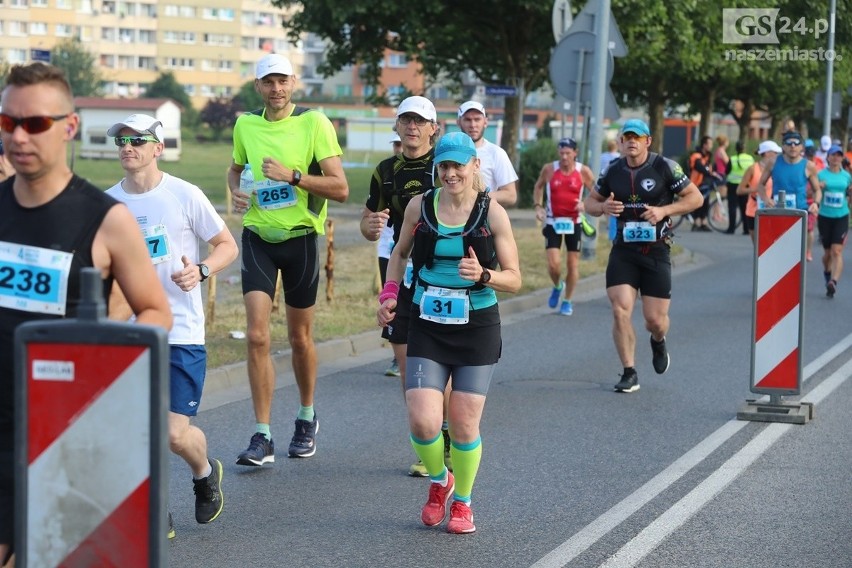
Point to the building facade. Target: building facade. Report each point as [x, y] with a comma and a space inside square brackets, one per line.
[211, 46]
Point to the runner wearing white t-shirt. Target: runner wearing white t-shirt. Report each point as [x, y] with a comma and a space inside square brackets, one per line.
[495, 167]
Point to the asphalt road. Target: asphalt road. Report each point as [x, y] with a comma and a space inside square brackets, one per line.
[573, 474]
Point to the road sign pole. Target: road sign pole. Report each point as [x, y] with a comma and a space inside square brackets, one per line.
[581, 59]
[599, 82]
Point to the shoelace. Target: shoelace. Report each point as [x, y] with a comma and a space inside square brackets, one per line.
[435, 492]
[256, 441]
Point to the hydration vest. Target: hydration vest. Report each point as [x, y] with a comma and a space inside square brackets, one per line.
[476, 234]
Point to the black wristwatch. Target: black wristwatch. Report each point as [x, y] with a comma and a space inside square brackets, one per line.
[297, 177]
[485, 277]
[205, 271]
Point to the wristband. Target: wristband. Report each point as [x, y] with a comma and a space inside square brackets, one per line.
[389, 292]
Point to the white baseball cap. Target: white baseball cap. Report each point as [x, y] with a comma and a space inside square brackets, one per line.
[768, 146]
[141, 124]
[273, 63]
[825, 143]
[471, 105]
[395, 139]
[418, 105]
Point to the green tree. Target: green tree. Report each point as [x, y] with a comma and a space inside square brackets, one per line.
[248, 98]
[500, 41]
[167, 86]
[79, 66]
[219, 114]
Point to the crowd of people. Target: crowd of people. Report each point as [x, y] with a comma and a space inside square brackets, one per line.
[437, 208]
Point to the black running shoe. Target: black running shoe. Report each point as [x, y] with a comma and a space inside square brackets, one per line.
[261, 450]
[629, 382]
[209, 499]
[304, 442]
[830, 288]
[660, 356]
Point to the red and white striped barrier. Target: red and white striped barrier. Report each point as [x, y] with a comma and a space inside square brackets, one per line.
[90, 465]
[779, 282]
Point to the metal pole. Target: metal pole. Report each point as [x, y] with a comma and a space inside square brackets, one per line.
[578, 91]
[829, 73]
[519, 81]
[599, 82]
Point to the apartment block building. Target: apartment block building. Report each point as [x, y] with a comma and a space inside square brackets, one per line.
[211, 46]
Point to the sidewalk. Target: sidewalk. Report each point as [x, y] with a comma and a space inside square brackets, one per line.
[230, 382]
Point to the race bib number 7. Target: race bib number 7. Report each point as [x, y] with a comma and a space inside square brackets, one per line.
[33, 279]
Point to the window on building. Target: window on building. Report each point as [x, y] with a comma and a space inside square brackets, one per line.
[125, 35]
[225, 40]
[343, 91]
[63, 4]
[108, 7]
[18, 3]
[14, 56]
[63, 30]
[397, 60]
[38, 28]
[17, 28]
[223, 14]
[84, 6]
[108, 34]
[148, 63]
[39, 3]
[369, 90]
[100, 140]
[147, 36]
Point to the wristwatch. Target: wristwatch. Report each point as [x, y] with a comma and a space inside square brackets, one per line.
[297, 177]
[485, 277]
[205, 271]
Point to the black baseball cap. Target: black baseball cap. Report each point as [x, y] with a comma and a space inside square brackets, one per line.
[567, 143]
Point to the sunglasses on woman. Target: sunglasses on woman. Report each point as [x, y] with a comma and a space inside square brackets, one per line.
[134, 141]
[30, 124]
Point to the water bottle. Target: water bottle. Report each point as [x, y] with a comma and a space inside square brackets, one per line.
[247, 182]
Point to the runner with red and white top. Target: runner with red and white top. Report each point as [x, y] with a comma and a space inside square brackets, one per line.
[560, 208]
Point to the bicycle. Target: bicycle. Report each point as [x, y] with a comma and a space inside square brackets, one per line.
[717, 212]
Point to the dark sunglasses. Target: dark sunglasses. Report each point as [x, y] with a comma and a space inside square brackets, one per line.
[793, 143]
[122, 141]
[30, 124]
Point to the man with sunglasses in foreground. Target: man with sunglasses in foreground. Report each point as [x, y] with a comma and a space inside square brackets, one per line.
[791, 172]
[53, 224]
[173, 215]
[639, 190]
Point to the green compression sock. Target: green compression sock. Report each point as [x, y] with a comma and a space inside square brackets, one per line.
[431, 453]
[466, 458]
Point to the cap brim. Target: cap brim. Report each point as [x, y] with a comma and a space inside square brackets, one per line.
[457, 157]
[635, 131]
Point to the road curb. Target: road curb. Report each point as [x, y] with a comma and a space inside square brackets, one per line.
[235, 376]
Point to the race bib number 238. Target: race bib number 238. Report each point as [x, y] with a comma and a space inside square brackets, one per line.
[33, 279]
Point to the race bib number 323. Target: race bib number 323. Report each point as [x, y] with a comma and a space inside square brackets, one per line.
[33, 279]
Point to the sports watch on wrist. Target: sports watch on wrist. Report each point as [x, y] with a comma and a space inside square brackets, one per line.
[297, 177]
[485, 277]
[205, 272]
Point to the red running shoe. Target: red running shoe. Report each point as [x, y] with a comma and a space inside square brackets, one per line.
[461, 519]
[435, 508]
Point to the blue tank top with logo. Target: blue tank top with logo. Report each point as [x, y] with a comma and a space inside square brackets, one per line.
[792, 178]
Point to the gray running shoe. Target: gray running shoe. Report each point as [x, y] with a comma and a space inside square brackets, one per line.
[629, 382]
[661, 357]
[209, 499]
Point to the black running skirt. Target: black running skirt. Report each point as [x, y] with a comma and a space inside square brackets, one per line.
[478, 342]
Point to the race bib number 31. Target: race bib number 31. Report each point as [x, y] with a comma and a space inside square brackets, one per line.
[446, 306]
[275, 195]
[33, 279]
